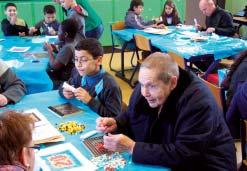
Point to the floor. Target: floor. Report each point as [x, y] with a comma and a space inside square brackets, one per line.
[126, 89]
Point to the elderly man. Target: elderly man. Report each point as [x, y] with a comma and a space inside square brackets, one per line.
[172, 120]
[217, 20]
[11, 87]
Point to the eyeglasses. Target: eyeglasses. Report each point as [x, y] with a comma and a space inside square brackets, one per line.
[81, 60]
[36, 147]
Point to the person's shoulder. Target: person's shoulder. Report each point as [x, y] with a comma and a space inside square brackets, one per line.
[109, 80]
[4, 21]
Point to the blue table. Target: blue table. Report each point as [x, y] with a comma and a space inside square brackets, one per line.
[218, 47]
[88, 117]
[33, 71]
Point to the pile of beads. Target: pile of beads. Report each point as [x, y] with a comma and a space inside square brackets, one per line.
[109, 162]
[71, 127]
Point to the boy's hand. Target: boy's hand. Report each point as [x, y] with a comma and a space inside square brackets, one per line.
[48, 47]
[22, 34]
[83, 95]
[32, 30]
[68, 94]
[52, 31]
[3, 100]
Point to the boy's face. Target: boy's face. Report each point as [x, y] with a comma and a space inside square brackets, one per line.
[66, 3]
[85, 64]
[49, 18]
[138, 10]
[11, 11]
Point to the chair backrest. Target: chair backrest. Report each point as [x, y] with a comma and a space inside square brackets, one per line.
[217, 92]
[119, 25]
[142, 43]
[180, 61]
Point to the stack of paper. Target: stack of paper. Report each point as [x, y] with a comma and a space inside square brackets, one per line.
[43, 132]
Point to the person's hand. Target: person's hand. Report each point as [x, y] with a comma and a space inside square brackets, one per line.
[22, 34]
[52, 31]
[160, 26]
[210, 30]
[83, 95]
[68, 94]
[106, 124]
[13, 19]
[48, 47]
[119, 143]
[32, 30]
[3, 100]
[198, 26]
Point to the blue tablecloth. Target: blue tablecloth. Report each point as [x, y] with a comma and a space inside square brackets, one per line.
[177, 42]
[33, 71]
[41, 101]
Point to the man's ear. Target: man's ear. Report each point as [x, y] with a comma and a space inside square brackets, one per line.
[173, 82]
[66, 34]
[23, 157]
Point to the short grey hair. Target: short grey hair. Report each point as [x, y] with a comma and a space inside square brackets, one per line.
[165, 66]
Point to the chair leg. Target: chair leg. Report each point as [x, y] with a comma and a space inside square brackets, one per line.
[110, 63]
[132, 58]
[133, 74]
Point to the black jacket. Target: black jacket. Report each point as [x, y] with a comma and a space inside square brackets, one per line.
[13, 30]
[222, 22]
[189, 135]
[109, 101]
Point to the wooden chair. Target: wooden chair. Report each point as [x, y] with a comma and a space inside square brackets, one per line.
[119, 25]
[180, 61]
[218, 94]
[144, 44]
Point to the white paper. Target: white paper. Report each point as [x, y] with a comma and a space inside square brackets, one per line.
[68, 87]
[51, 37]
[39, 40]
[19, 49]
[157, 31]
[43, 131]
[14, 63]
[82, 162]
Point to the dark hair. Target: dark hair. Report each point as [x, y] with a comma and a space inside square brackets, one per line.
[49, 9]
[15, 133]
[135, 3]
[10, 5]
[174, 13]
[92, 46]
[69, 26]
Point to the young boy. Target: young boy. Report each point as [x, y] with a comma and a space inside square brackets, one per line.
[12, 25]
[11, 88]
[49, 25]
[61, 64]
[94, 86]
[76, 12]
[133, 17]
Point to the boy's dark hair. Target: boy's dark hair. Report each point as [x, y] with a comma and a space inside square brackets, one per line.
[49, 9]
[10, 5]
[92, 46]
[135, 3]
[70, 27]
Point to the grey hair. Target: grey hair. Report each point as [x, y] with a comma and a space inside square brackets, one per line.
[164, 64]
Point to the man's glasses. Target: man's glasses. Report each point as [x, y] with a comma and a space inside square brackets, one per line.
[81, 60]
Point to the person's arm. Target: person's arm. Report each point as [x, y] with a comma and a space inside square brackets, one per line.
[7, 28]
[111, 104]
[194, 130]
[225, 26]
[132, 21]
[12, 86]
